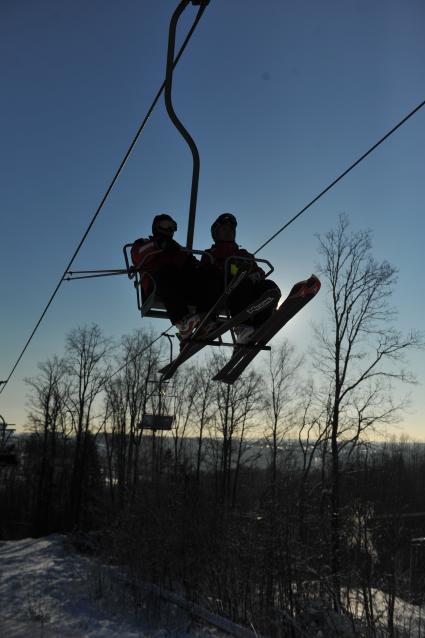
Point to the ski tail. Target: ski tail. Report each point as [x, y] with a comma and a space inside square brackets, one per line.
[199, 339]
[189, 348]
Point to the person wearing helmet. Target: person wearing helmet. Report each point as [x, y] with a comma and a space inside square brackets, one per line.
[229, 256]
[176, 272]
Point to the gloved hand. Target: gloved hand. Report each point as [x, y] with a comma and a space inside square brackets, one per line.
[233, 270]
[255, 277]
[246, 264]
[239, 266]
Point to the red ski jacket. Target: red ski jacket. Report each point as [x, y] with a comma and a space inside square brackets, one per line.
[222, 250]
[147, 255]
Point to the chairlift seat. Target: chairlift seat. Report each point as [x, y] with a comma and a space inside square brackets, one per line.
[156, 422]
[152, 305]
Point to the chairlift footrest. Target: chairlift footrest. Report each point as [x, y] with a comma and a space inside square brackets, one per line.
[247, 346]
[191, 347]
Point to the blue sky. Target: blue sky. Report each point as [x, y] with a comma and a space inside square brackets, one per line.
[280, 97]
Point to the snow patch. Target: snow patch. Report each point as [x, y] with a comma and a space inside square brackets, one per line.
[49, 591]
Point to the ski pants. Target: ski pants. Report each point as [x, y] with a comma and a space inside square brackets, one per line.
[186, 286]
[248, 291]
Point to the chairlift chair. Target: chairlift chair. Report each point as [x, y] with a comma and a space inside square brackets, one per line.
[8, 455]
[158, 421]
[149, 303]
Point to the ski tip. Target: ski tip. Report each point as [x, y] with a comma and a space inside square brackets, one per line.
[314, 282]
[309, 287]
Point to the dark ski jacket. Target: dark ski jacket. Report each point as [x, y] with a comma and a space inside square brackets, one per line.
[152, 255]
[222, 250]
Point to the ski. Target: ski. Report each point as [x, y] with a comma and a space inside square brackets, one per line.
[199, 339]
[301, 293]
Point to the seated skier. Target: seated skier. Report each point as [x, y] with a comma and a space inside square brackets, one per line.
[180, 283]
[223, 232]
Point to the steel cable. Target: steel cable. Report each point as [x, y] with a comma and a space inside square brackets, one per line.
[343, 174]
[3, 384]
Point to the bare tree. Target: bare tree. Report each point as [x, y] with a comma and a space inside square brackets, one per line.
[235, 405]
[186, 391]
[312, 438]
[281, 400]
[357, 353]
[86, 357]
[203, 411]
[47, 420]
[115, 435]
[128, 396]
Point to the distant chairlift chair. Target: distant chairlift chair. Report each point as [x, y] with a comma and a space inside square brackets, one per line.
[8, 455]
[158, 420]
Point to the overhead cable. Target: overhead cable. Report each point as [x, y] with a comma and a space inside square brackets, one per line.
[343, 174]
[163, 334]
[103, 200]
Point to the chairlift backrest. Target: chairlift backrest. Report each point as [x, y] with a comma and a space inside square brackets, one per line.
[149, 305]
[8, 458]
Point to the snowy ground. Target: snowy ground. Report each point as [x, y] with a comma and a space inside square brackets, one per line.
[408, 619]
[49, 591]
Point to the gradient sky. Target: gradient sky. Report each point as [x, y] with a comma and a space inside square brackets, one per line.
[280, 96]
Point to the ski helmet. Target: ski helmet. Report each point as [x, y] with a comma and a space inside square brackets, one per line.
[164, 225]
[225, 218]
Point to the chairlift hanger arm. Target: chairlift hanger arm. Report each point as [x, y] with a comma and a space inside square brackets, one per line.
[170, 109]
[169, 337]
